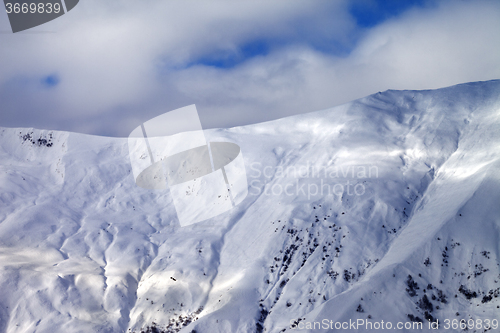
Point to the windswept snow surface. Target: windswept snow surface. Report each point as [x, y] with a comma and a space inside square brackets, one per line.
[385, 208]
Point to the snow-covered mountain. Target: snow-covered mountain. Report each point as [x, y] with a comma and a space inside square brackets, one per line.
[383, 209]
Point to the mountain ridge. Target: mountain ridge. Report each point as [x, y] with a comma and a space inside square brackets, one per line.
[93, 252]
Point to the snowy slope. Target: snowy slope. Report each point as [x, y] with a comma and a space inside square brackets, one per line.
[384, 208]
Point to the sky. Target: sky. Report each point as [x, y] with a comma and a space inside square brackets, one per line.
[105, 67]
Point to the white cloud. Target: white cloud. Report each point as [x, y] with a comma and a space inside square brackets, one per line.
[123, 61]
[424, 49]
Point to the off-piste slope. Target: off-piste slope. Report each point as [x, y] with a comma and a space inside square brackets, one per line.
[385, 208]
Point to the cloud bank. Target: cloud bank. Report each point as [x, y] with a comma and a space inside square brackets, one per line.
[109, 65]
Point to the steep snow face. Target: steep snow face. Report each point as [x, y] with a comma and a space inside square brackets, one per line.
[385, 208]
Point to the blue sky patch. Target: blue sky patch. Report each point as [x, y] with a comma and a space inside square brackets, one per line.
[50, 81]
[230, 59]
[227, 59]
[369, 13]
